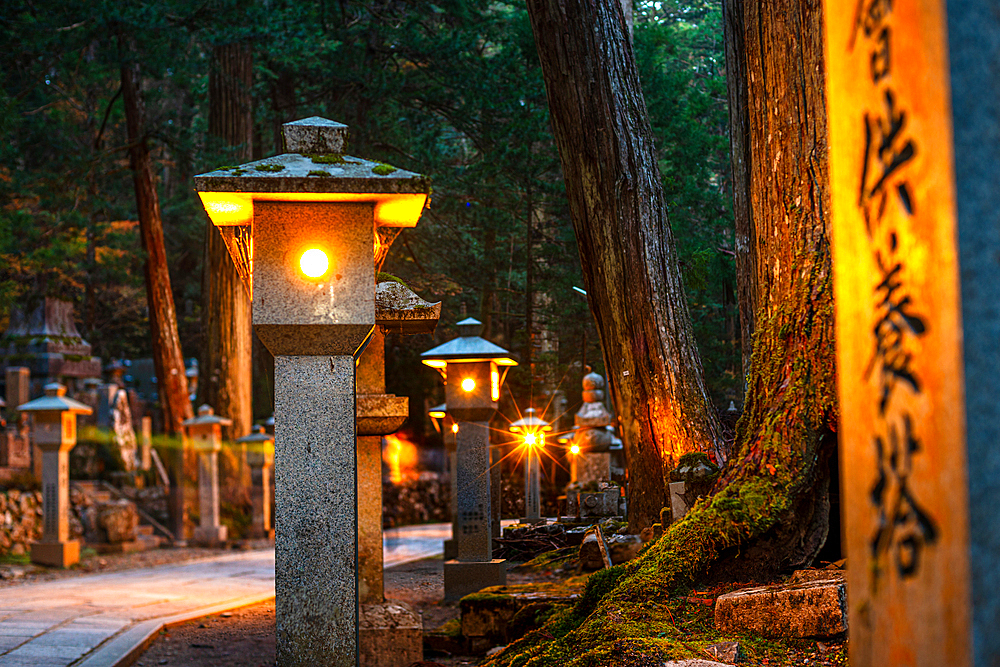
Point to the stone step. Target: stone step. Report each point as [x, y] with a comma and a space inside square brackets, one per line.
[144, 530]
[492, 613]
[813, 604]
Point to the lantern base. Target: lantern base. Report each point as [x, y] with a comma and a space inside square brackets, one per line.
[210, 534]
[391, 634]
[462, 578]
[56, 554]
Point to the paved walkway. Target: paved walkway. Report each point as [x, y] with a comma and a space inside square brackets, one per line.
[101, 620]
[96, 620]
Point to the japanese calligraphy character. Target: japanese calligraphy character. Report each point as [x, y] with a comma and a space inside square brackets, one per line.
[886, 149]
[895, 322]
[903, 526]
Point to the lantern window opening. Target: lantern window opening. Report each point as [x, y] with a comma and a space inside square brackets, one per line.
[468, 385]
[314, 263]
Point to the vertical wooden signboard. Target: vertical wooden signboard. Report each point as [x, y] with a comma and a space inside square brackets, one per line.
[899, 335]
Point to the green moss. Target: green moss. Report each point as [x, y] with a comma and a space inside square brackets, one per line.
[269, 167]
[319, 172]
[327, 158]
[383, 169]
[382, 277]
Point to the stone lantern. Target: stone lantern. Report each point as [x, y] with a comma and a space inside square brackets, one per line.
[474, 370]
[448, 427]
[205, 432]
[54, 433]
[302, 228]
[532, 430]
[260, 458]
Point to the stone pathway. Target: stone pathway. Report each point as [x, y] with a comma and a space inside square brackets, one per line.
[98, 620]
[103, 620]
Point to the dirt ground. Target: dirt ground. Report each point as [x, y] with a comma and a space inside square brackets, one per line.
[245, 637]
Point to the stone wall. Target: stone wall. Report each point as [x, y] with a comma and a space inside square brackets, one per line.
[425, 499]
[21, 521]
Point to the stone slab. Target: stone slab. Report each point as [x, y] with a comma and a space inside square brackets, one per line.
[391, 635]
[210, 534]
[490, 613]
[462, 578]
[816, 609]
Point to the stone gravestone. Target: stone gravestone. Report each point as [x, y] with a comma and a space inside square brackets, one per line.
[594, 460]
[914, 147]
[260, 457]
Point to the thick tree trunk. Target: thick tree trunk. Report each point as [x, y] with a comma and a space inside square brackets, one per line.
[167, 357]
[227, 358]
[626, 245]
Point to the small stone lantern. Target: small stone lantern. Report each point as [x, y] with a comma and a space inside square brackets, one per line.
[303, 230]
[205, 432]
[260, 458]
[532, 430]
[472, 367]
[55, 434]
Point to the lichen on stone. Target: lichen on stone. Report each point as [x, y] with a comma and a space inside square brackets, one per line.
[383, 169]
[318, 172]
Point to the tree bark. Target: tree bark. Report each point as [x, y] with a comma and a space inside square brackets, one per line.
[167, 357]
[227, 358]
[626, 246]
[770, 510]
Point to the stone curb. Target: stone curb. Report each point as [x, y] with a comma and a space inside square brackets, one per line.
[125, 648]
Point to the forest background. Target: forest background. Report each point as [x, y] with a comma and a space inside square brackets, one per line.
[452, 90]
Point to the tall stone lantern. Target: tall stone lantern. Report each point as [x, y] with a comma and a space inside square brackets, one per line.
[303, 229]
[55, 434]
[205, 432]
[532, 430]
[474, 370]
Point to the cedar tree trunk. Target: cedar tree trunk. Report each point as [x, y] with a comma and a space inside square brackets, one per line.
[626, 246]
[167, 357]
[227, 359]
[769, 512]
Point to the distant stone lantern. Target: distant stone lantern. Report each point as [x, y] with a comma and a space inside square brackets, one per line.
[260, 458]
[55, 434]
[205, 432]
[474, 370]
[532, 430]
[303, 230]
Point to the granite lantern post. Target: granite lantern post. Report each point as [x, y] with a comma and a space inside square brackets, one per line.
[260, 457]
[306, 222]
[448, 427]
[391, 633]
[205, 432]
[474, 370]
[915, 204]
[532, 430]
[54, 433]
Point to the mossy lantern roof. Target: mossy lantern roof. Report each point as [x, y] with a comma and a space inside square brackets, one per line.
[315, 169]
[468, 347]
[257, 435]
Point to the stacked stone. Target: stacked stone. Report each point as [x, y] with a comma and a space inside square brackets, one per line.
[20, 521]
[592, 436]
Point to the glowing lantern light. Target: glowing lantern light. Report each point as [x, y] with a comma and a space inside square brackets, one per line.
[494, 383]
[529, 439]
[469, 385]
[454, 427]
[574, 449]
[314, 263]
